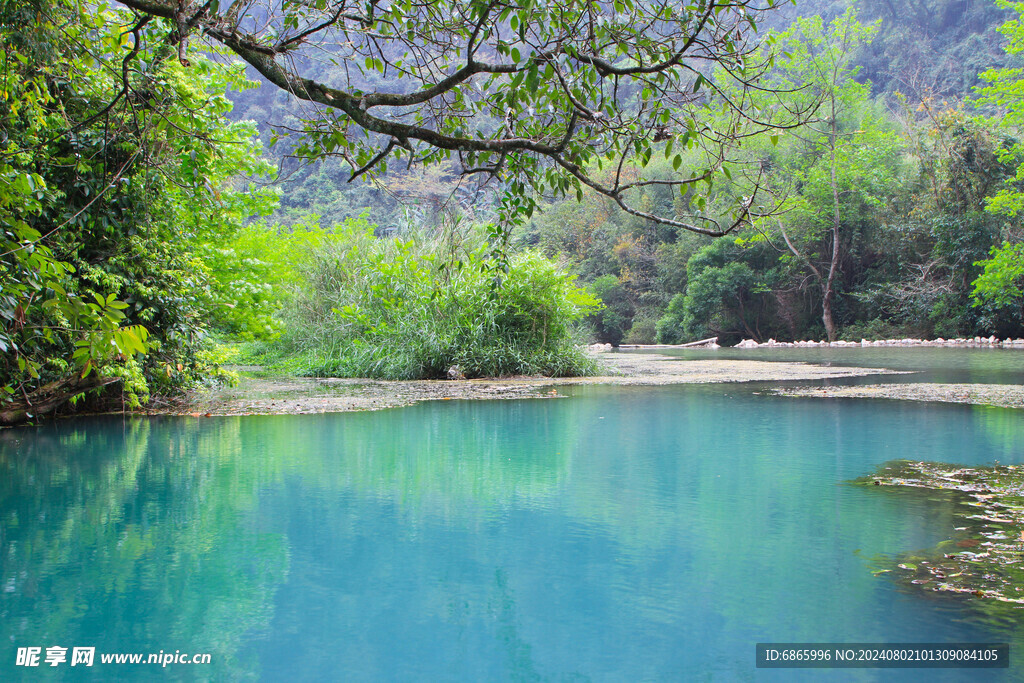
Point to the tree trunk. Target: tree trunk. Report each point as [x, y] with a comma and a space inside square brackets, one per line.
[828, 290]
[49, 397]
[743, 319]
[826, 314]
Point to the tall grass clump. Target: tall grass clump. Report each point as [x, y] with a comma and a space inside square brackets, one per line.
[396, 308]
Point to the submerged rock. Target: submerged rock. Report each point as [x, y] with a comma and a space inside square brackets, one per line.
[985, 556]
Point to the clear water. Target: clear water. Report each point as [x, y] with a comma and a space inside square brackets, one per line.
[621, 534]
[955, 365]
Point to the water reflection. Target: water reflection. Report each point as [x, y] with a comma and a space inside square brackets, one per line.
[623, 533]
[133, 537]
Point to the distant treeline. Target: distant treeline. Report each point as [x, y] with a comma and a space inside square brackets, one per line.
[914, 164]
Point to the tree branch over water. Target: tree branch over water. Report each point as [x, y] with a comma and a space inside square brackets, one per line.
[542, 96]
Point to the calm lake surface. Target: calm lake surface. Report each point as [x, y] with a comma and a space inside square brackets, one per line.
[620, 534]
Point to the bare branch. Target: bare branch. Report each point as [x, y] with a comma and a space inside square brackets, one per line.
[376, 160]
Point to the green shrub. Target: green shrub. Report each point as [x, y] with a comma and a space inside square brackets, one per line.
[671, 328]
[644, 329]
[612, 321]
[407, 309]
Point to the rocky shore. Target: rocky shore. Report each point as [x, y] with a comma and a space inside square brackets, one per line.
[999, 395]
[296, 395]
[960, 342]
[975, 342]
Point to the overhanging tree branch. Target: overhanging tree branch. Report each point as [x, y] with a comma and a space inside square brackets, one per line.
[537, 94]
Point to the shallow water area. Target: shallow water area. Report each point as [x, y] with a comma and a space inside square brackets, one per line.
[622, 533]
[927, 364]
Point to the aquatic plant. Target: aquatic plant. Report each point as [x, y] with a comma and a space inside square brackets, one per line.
[984, 558]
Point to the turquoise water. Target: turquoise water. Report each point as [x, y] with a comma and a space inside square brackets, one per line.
[623, 533]
[927, 364]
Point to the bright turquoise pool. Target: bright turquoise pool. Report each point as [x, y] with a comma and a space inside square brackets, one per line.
[624, 533]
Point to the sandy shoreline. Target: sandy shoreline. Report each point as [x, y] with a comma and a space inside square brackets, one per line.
[298, 395]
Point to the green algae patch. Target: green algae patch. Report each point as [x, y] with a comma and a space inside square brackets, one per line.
[985, 557]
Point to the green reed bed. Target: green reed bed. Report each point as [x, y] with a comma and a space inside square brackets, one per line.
[420, 307]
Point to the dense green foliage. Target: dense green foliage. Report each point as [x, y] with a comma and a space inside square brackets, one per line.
[411, 308]
[116, 184]
[886, 208]
[922, 48]
[1000, 288]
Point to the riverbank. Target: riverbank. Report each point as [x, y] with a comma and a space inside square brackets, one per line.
[960, 342]
[296, 395]
[1000, 395]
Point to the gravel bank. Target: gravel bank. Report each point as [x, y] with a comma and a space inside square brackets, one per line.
[1002, 395]
[297, 395]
